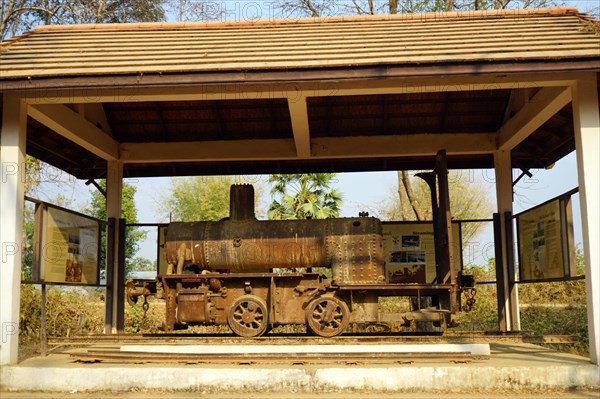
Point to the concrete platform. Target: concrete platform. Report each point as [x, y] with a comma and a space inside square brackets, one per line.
[510, 368]
[473, 349]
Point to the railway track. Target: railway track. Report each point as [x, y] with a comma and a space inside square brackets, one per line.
[109, 348]
[350, 338]
[115, 355]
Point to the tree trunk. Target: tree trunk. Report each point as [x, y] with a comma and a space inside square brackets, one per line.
[404, 212]
[393, 4]
[411, 196]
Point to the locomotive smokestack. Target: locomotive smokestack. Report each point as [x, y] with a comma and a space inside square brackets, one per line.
[241, 202]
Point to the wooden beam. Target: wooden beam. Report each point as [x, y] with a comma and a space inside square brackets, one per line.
[322, 147]
[187, 91]
[405, 145]
[300, 127]
[536, 111]
[76, 128]
[94, 113]
[518, 98]
[198, 151]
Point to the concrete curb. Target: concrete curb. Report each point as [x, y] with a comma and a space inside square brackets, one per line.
[301, 379]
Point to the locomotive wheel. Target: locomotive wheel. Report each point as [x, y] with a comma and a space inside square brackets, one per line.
[327, 316]
[248, 316]
[129, 290]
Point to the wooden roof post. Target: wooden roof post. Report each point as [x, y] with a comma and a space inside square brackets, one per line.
[508, 299]
[12, 154]
[114, 305]
[586, 121]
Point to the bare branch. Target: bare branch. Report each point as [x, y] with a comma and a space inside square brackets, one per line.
[359, 9]
[313, 10]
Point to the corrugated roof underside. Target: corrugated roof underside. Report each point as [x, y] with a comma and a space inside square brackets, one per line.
[294, 46]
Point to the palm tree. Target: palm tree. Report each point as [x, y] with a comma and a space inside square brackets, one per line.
[304, 196]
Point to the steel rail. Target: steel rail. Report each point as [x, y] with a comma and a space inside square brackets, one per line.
[115, 355]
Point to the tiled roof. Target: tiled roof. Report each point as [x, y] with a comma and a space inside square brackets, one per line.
[463, 38]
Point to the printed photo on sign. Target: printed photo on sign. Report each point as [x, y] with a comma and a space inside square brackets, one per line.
[409, 242]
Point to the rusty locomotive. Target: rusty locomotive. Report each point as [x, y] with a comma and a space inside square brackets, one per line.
[254, 275]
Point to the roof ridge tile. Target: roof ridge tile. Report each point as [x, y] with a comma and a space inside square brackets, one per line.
[481, 14]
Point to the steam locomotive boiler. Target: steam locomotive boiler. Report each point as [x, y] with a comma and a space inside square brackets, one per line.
[254, 275]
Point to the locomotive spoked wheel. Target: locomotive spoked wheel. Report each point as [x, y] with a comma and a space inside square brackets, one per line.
[327, 316]
[248, 316]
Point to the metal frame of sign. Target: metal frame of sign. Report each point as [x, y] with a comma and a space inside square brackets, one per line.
[567, 242]
[41, 209]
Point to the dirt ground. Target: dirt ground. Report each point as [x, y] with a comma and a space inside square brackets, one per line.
[187, 395]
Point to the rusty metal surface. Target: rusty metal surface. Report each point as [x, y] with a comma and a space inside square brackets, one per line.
[246, 245]
[351, 244]
[355, 250]
[327, 316]
[241, 202]
[214, 299]
[222, 273]
[248, 316]
[353, 247]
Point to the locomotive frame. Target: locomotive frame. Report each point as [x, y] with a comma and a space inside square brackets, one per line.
[227, 272]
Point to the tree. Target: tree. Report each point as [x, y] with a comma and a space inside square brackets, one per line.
[412, 201]
[140, 264]
[324, 8]
[304, 196]
[197, 10]
[201, 198]
[134, 235]
[18, 16]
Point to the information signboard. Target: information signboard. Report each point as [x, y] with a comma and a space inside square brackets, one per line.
[69, 250]
[409, 251]
[545, 241]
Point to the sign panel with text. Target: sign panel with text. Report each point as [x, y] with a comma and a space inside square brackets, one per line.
[69, 250]
[409, 251]
[545, 247]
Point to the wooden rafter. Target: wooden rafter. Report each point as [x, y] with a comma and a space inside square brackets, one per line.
[536, 111]
[300, 126]
[76, 128]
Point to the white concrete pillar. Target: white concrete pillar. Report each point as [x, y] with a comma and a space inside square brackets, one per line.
[114, 193]
[586, 121]
[508, 296]
[12, 188]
